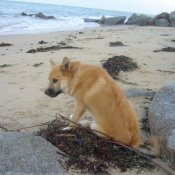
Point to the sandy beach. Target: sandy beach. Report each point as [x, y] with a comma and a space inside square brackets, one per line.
[22, 99]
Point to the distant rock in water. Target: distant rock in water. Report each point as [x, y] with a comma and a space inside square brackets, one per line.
[91, 20]
[115, 20]
[38, 15]
[108, 21]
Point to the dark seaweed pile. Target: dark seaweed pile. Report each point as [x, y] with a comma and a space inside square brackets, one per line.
[51, 48]
[119, 63]
[5, 44]
[42, 42]
[117, 43]
[166, 49]
[89, 153]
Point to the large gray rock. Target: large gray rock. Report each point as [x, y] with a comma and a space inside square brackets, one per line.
[172, 16]
[137, 20]
[162, 122]
[172, 19]
[163, 15]
[22, 153]
[114, 20]
[162, 23]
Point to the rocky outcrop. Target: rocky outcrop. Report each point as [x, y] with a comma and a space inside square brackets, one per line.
[162, 122]
[163, 20]
[172, 18]
[137, 20]
[162, 23]
[38, 15]
[22, 153]
[114, 20]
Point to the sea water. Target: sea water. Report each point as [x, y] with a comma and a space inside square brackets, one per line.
[66, 17]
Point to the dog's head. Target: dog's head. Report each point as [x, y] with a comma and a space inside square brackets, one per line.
[58, 78]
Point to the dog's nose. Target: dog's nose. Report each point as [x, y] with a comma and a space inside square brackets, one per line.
[47, 92]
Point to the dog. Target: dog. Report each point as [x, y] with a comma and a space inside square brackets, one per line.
[96, 91]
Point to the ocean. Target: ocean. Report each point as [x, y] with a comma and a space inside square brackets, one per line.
[66, 17]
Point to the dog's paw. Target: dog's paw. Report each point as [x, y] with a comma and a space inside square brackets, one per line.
[70, 116]
[67, 128]
[85, 123]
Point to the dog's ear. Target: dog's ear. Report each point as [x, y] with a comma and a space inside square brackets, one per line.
[52, 63]
[66, 64]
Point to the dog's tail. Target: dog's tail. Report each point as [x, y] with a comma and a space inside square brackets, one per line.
[150, 147]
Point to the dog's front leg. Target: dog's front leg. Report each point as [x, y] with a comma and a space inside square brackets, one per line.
[80, 109]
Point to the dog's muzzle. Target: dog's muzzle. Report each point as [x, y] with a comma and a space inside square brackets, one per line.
[51, 93]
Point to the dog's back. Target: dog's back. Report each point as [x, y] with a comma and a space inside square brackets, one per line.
[107, 103]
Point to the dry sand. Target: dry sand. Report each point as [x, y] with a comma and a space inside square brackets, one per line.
[22, 99]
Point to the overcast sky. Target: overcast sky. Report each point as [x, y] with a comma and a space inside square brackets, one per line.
[138, 6]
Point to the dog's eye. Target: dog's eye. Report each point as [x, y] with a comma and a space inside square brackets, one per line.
[55, 80]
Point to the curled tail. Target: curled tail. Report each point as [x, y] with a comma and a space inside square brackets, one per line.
[150, 147]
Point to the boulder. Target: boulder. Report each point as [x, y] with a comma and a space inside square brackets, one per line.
[162, 122]
[162, 23]
[102, 20]
[172, 19]
[163, 15]
[91, 20]
[172, 24]
[41, 15]
[172, 16]
[24, 14]
[22, 153]
[115, 20]
[137, 20]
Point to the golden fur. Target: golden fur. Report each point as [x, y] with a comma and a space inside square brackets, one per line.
[95, 90]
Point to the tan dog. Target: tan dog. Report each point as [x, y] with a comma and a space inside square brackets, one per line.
[95, 90]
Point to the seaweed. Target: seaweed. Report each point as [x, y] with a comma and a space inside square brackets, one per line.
[90, 153]
[119, 63]
[51, 48]
[42, 42]
[6, 65]
[166, 49]
[117, 43]
[5, 44]
[37, 64]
